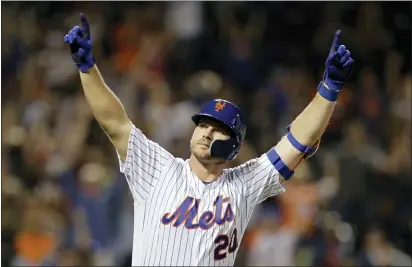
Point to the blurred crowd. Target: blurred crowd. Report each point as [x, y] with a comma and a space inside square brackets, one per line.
[64, 202]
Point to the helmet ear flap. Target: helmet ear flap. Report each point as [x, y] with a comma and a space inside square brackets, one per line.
[226, 149]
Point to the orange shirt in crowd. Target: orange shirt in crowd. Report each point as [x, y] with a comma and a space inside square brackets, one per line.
[34, 247]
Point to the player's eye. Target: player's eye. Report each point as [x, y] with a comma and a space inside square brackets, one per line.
[221, 131]
[202, 125]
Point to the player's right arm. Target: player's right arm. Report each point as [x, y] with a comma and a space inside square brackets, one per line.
[107, 109]
[141, 160]
[105, 106]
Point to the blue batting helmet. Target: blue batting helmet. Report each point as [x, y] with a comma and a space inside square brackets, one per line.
[230, 115]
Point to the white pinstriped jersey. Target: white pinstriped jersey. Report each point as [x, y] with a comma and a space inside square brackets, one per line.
[179, 220]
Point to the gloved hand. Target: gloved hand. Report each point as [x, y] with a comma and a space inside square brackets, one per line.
[338, 68]
[81, 45]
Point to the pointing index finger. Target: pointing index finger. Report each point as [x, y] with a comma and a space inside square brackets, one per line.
[336, 42]
[85, 26]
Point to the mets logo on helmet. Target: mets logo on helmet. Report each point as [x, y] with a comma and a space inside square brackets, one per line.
[220, 106]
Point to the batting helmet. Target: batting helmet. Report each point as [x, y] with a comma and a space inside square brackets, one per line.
[230, 115]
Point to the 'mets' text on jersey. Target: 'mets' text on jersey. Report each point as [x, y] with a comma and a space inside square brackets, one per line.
[187, 212]
[179, 220]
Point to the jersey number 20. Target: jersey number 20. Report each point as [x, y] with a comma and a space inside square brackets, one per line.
[223, 242]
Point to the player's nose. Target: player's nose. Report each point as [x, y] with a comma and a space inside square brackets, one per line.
[208, 133]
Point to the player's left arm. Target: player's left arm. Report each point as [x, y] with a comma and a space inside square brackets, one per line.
[305, 132]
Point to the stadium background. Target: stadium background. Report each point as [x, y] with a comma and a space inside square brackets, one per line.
[63, 200]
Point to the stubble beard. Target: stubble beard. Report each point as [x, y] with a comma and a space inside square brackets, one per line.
[206, 160]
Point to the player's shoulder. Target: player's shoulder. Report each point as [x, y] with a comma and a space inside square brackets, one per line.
[148, 143]
[183, 162]
[238, 172]
[178, 163]
[249, 165]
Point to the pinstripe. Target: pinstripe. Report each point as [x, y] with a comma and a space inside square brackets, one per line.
[258, 176]
[137, 134]
[268, 192]
[142, 143]
[145, 163]
[164, 228]
[180, 245]
[155, 222]
[255, 175]
[153, 210]
[167, 193]
[228, 230]
[148, 219]
[209, 238]
[185, 233]
[239, 193]
[257, 188]
[190, 252]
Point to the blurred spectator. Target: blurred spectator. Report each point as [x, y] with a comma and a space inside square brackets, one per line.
[377, 251]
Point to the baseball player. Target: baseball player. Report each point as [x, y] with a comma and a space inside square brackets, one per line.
[194, 212]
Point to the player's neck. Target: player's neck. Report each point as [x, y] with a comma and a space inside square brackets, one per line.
[205, 172]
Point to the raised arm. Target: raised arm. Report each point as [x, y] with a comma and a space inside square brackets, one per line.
[140, 159]
[306, 130]
[105, 106]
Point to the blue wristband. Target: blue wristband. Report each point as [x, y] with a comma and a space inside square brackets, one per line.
[308, 150]
[279, 165]
[85, 66]
[302, 148]
[327, 93]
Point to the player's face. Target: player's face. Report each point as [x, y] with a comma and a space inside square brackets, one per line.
[204, 134]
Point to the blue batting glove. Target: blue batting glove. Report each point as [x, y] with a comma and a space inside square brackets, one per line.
[81, 45]
[338, 69]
